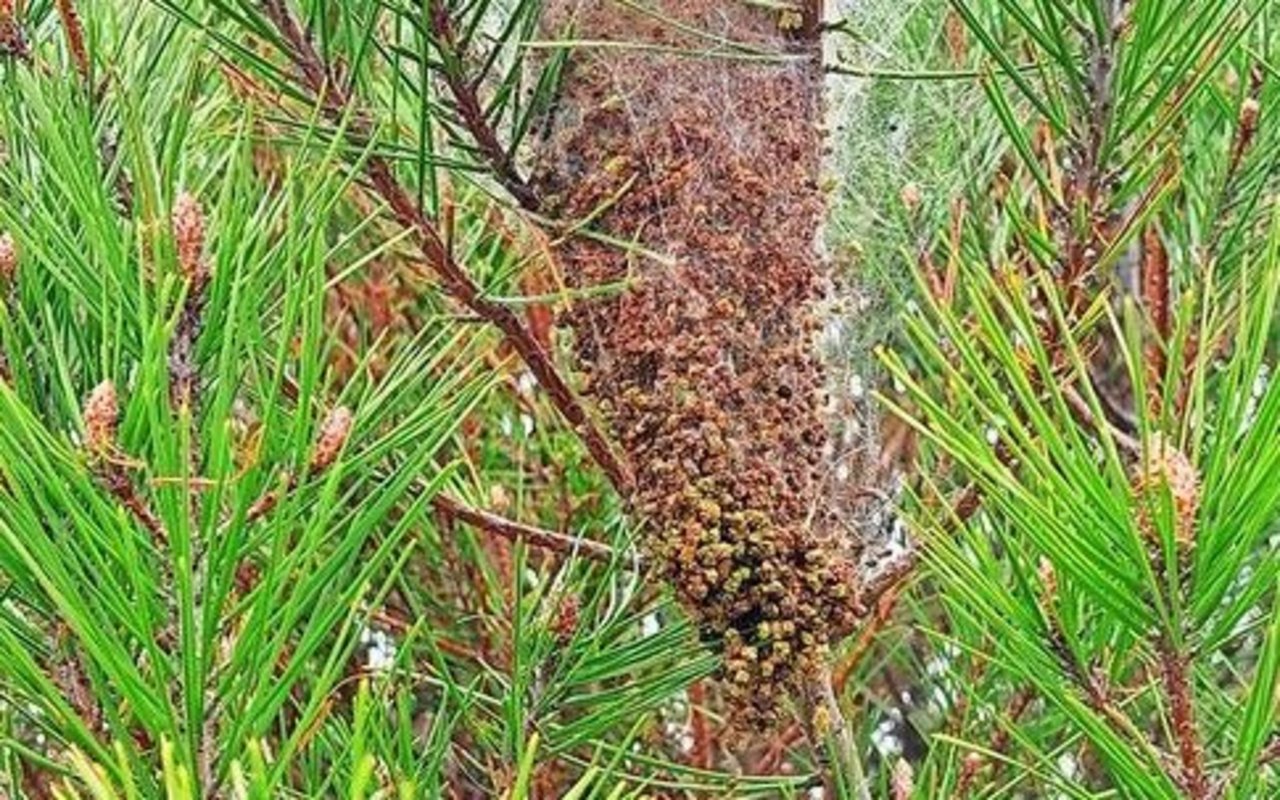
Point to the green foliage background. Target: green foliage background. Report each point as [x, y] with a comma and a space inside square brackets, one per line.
[235, 655]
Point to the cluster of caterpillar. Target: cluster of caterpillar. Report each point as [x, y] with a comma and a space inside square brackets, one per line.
[701, 140]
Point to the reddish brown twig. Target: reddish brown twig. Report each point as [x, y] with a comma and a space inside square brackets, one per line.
[115, 479]
[883, 612]
[1246, 134]
[702, 755]
[335, 102]
[1177, 685]
[74, 31]
[269, 499]
[778, 748]
[1092, 683]
[467, 103]
[517, 531]
[329, 443]
[888, 577]
[1084, 414]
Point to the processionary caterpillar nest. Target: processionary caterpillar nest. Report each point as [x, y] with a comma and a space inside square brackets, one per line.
[705, 367]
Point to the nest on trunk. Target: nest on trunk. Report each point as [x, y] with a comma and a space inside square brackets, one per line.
[705, 367]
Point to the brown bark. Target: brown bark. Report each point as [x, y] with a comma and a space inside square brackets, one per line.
[1176, 673]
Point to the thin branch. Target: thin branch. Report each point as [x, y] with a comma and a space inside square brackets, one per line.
[1085, 415]
[455, 281]
[467, 102]
[1177, 686]
[1246, 134]
[1246, 123]
[1085, 184]
[701, 755]
[885, 579]
[484, 521]
[829, 733]
[1092, 684]
[74, 31]
[518, 531]
[867, 634]
[114, 477]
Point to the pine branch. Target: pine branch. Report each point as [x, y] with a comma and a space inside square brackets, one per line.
[467, 102]
[332, 439]
[73, 29]
[831, 738]
[1085, 416]
[1091, 683]
[517, 531]
[336, 103]
[1177, 685]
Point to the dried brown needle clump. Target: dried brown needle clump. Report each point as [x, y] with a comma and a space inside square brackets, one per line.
[706, 368]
